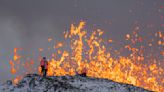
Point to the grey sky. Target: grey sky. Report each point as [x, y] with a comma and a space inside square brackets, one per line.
[28, 23]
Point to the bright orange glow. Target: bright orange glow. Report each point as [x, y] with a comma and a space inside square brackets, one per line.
[90, 54]
[110, 40]
[13, 70]
[40, 49]
[16, 56]
[127, 37]
[49, 39]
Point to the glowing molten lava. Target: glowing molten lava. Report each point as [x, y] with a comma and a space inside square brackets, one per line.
[89, 53]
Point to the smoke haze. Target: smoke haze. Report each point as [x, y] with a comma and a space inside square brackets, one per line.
[29, 23]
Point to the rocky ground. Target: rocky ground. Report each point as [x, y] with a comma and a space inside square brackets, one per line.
[36, 83]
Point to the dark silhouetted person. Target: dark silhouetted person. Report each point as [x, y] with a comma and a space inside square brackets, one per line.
[44, 66]
[83, 72]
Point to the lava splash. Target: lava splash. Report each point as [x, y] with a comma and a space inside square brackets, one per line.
[90, 53]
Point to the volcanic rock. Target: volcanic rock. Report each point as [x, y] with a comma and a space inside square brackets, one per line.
[78, 83]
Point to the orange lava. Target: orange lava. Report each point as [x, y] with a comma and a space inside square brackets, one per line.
[89, 53]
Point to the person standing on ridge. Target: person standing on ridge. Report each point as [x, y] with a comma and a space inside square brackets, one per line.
[44, 66]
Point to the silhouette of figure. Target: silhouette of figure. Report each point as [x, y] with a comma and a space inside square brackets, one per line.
[44, 66]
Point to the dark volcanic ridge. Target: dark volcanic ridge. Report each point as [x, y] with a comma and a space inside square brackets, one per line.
[37, 83]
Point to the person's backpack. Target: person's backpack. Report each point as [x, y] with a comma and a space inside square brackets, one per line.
[42, 62]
